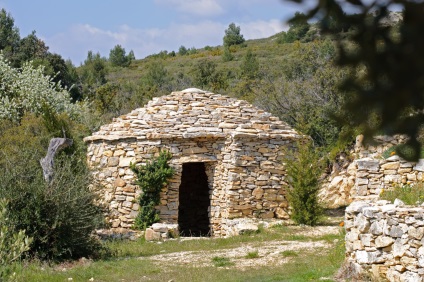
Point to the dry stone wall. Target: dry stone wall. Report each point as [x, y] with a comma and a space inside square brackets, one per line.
[385, 240]
[241, 146]
[365, 173]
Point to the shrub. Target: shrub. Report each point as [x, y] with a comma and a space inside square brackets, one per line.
[151, 178]
[410, 194]
[303, 171]
[60, 217]
[252, 255]
[12, 245]
[402, 150]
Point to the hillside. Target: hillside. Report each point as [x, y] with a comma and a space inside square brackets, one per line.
[295, 81]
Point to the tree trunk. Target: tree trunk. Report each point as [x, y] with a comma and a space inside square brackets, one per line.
[47, 163]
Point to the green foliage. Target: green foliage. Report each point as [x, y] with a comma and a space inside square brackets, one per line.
[289, 253]
[206, 75]
[233, 36]
[252, 254]
[29, 90]
[306, 95]
[151, 178]
[182, 50]
[403, 150]
[410, 194]
[390, 59]
[104, 100]
[303, 173]
[227, 56]
[92, 73]
[9, 34]
[222, 261]
[60, 217]
[12, 245]
[119, 58]
[250, 66]
[298, 28]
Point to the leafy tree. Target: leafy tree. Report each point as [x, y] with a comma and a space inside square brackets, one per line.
[92, 73]
[29, 90]
[118, 57]
[131, 56]
[233, 36]
[30, 47]
[388, 95]
[298, 27]
[182, 50]
[9, 34]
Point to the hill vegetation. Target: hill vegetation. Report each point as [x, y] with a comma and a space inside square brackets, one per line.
[291, 74]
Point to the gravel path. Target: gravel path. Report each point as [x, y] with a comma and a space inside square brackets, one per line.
[269, 252]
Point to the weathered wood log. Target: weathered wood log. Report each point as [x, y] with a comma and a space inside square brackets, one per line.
[47, 163]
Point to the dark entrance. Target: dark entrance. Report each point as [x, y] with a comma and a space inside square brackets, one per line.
[193, 216]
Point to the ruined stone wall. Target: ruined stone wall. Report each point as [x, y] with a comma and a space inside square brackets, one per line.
[385, 240]
[245, 177]
[364, 172]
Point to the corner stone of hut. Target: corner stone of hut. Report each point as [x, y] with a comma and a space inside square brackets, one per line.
[227, 155]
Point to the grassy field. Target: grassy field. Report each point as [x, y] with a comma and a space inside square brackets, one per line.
[207, 259]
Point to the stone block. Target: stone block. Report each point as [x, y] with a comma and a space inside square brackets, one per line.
[151, 235]
[125, 162]
[368, 257]
[390, 166]
[119, 182]
[420, 165]
[383, 241]
[113, 161]
[368, 164]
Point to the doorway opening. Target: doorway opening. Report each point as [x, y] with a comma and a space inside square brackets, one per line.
[194, 202]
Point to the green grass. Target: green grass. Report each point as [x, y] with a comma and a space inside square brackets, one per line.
[222, 261]
[409, 194]
[130, 261]
[252, 255]
[289, 253]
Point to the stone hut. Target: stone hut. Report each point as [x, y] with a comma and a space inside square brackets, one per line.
[227, 154]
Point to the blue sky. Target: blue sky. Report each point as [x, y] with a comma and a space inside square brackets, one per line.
[72, 28]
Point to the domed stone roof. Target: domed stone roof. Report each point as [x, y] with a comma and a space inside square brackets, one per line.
[194, 113]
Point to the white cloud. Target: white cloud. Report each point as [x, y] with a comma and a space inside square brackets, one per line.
[262, 29]
[194, 7]
[76, 42]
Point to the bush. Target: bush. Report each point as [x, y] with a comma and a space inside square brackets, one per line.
[410, 194]
[151, 178]
[60, 217]
[12, 245]
[303, 171]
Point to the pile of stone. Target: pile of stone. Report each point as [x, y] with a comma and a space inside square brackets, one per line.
[385, 240]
